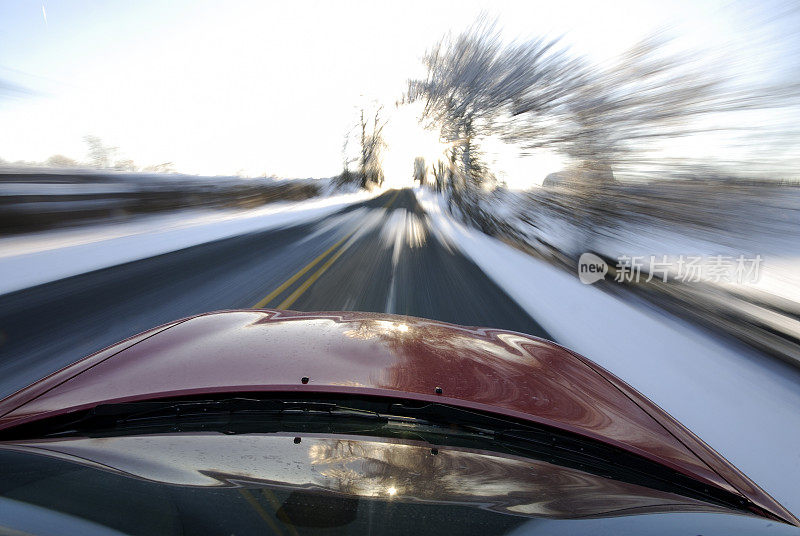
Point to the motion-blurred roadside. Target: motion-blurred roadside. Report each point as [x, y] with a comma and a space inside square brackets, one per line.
[676, 150]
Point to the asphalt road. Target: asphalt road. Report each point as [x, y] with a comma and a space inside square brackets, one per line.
[381, 255]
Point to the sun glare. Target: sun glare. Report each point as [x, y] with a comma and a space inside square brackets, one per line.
[405, 140]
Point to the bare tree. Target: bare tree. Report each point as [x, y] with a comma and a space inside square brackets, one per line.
[164, 167]
[473, 82]
[535, 94]
[125, 164]
[347, 157]
[420, 170]
[372, 144]
[60, 161]
[100, 155]
[647, 94]
[439, 171]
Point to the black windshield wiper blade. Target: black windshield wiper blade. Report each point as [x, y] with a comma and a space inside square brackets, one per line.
[126, 411]
[107, 417]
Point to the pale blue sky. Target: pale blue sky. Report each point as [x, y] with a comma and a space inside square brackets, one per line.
[271, 87]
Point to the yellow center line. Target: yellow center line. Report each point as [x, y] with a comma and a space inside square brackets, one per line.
[260, 511]
[388, 203]
[276, 505]
[316, 275]
[286, 284]
[310, 281]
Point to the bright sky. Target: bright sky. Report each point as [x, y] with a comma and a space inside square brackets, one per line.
[268, 87]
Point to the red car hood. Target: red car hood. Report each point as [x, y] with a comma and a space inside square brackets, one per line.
[490, 370]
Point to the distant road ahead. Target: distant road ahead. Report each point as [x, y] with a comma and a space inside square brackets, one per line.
[379, 256]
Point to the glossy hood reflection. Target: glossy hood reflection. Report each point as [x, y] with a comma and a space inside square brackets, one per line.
[364, 468]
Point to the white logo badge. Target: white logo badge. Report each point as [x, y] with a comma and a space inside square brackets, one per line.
[591, 268]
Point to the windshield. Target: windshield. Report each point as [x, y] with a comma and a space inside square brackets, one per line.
[424, 225]
[165, 483]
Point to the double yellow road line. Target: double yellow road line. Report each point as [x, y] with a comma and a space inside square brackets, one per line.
[342, 246]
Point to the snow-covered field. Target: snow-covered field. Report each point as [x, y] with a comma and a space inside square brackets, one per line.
[36, 258]
[745, 405]
[748, 222]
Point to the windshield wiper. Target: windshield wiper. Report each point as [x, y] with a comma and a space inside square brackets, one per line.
[229, 415]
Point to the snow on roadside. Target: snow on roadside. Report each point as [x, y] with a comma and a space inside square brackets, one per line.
[770, 233]
[743, 404]
[33, 259]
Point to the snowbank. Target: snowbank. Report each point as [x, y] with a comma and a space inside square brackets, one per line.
[731, 222]
[37, 258]
[745, 405]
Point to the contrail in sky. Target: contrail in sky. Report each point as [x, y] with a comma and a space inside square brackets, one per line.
[44, 14]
